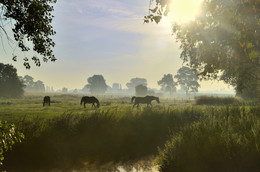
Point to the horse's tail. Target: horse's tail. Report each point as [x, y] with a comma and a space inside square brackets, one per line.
[97, 102]
[81, 101]
[133, 99]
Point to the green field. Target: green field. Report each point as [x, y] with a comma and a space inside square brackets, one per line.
[31, 105]
[173, 135]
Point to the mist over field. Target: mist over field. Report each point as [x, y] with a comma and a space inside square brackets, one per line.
[130, 85]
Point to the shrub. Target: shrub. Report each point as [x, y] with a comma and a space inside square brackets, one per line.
[73, 140]
[210, 100]
[8, 137]
[226, 140]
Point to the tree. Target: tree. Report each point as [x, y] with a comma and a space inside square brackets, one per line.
[97, 84]
[32, 22]
[8, 137]
[188, 79]
[167, 84]
[39, 86]
[140, 90]
[136, 81]
[222, 42]
[85, 89]
[10, 83]
[30, 85]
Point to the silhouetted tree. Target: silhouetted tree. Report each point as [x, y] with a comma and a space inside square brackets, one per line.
[140, 90]
[85, 89]
[97, 84]
[222, 42]
[39, 86]
[10, 84]
[167, 83]
[32, 22]
[136, 81]
[30, 85]
[188, 79]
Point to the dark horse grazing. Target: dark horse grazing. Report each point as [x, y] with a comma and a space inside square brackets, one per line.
[144, 100]
[47, 100]
[89, 100]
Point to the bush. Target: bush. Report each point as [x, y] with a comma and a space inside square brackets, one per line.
[8, 137]
[210, 100]
[71, 141]
[226, 140]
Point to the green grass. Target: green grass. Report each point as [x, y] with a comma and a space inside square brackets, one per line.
[65, 136]
[71, 140]
[30, 105]
[210, 100]
[77, 135]
[225, 139]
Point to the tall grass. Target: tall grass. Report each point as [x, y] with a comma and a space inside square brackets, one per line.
[210, 100]
[225, 139]
[76, 141]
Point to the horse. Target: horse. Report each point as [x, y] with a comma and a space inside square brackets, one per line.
[144, 100]
[47, 100]
[89, 100]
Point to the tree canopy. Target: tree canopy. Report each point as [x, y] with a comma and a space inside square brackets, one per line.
[97, 84]
[141, 90]
[30, 85]
[222, 42]
[32, 22]
[167, 83]
[8, 137]
[135, 82]
[187, 79]
[10, 83]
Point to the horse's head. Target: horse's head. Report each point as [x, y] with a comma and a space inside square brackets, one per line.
[157, 99]
[133, 99]
[81, 101]
[97, 102]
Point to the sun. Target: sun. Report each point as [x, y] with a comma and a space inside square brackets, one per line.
[183, 10]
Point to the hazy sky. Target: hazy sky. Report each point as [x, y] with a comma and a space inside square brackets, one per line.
[107, 37]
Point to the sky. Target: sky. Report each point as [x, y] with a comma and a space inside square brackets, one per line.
[108, 37]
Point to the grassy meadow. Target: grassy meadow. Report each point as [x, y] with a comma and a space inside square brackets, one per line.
[175, 135]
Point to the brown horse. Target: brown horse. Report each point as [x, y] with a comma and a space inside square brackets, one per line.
[47, 100]
[144, 100]
[90, 100]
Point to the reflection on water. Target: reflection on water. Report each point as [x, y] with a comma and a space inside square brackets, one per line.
[140, 166]
[140, 169]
